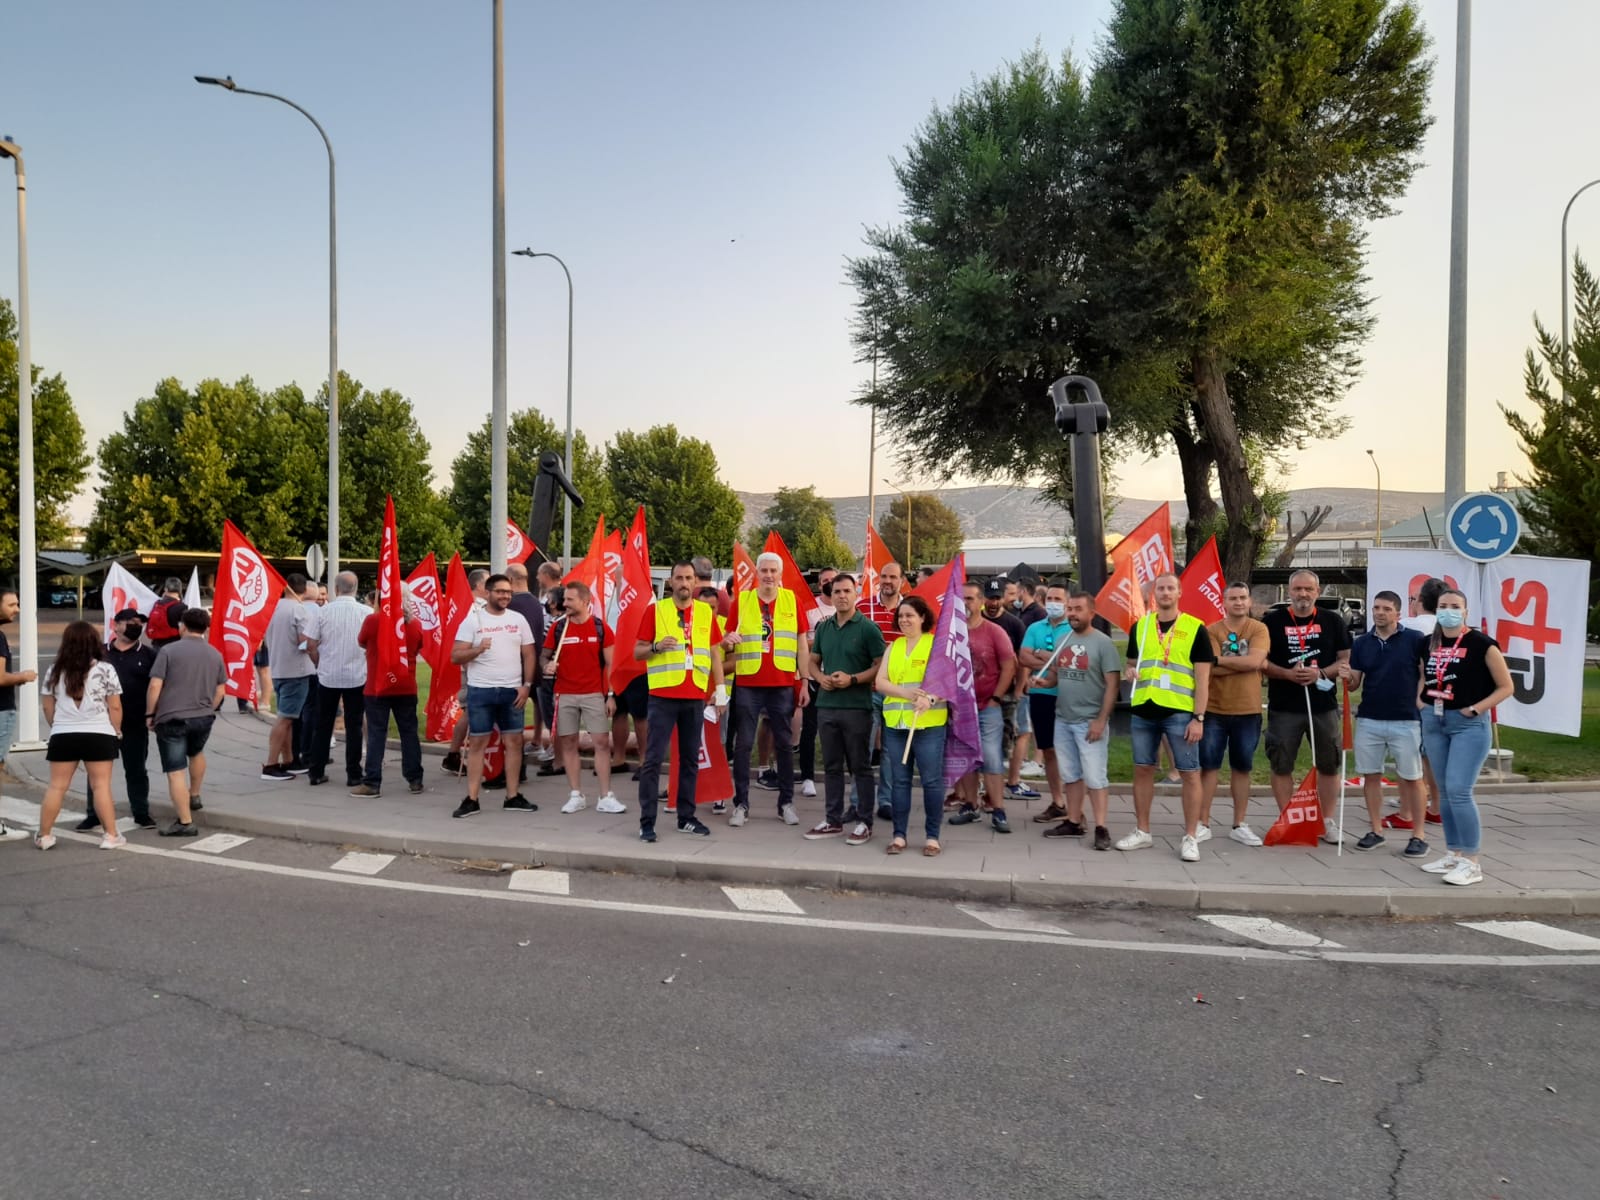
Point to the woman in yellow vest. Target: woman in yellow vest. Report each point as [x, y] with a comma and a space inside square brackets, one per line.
[907, 708]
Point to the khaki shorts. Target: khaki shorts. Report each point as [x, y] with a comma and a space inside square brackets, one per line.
[586, 710]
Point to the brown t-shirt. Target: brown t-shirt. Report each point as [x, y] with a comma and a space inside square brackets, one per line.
[1236, 694]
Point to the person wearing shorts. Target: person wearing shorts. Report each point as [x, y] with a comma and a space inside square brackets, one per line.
[187, 684]
[83, 704]
[1170, 660]
[1233, 711]
[577, 655]
[1087, 675]
[495, 643]
[1386, 667]
[1039, 642]
[994, 665]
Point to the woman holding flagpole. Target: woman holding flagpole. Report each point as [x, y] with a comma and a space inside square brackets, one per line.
[914, 724]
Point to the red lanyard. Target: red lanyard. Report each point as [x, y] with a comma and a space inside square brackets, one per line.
[1164, 644]
[1446, 657]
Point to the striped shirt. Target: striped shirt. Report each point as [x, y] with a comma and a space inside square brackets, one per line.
[336, 629]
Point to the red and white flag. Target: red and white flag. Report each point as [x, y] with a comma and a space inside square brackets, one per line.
[443, 707]
[122, 591]
[519, 546]
[394, 663]
[248, 590]
[932, 589]
[1121, 601]
[635, 600]
[713, 779]
[423, 584]
[791, 579]
[1202, 585]
[590, 570]
[1148, 548]
[874, 559]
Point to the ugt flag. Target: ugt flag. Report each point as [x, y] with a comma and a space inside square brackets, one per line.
[248, 589]
[634, 603]
[950, 678]
[443, 708]
[1202, 585]
[423, 586]
[394, 663]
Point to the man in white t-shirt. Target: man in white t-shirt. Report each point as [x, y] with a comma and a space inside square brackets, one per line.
[496, 645]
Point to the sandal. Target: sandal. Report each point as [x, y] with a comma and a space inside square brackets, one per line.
[896, 845]
[931, 850]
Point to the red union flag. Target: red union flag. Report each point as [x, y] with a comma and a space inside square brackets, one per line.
[635, 598]
[1300, 824]
[1148, 547]
[423, 586]
[1203, 586]
[247, 591]
[1121, 601]
[518, 544]
[394, 665]
[713, 779]
[874, 559]
[122, 591]
[443, 708]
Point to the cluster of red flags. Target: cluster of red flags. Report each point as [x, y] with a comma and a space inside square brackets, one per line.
[1145, 555]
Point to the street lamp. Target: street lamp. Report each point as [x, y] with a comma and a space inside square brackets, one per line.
[27, 543]
[566, 544]
[908, 566]
[1377, 538]
[1565, 213]
[333, 316]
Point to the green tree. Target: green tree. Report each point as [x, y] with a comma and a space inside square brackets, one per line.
[383, 452]
[936, 533]
[1562, 439]
[805, 522]
[528, 434]
[689, 509]
[60, 463]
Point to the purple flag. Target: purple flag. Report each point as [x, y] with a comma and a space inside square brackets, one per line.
[950, 677]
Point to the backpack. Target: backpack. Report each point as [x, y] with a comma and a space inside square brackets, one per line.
[163, 623]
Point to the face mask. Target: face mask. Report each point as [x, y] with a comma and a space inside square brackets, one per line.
[1054, 610]
[1452, 618]
[1017, 603]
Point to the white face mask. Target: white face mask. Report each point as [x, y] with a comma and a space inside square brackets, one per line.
[1055, 611]
[1452, 618]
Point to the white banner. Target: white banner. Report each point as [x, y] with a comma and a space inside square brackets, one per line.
[122, 591]
[1535, 608]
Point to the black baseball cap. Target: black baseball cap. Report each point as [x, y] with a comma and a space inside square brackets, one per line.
[995, 589]
[129, 614]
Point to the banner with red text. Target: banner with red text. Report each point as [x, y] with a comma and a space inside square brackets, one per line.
[1203, 585]
[443, 707]
[1148, 548]
[248, 589]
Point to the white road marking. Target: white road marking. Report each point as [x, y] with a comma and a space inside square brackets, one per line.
[1546, 936]
[1271, 933]
[549, 883]
[766, 900]
[216, 843]
[1019, 919]
[359, 862]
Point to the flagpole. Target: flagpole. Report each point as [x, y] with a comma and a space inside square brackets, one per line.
[1344, 770]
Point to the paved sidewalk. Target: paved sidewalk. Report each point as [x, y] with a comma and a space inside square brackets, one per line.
[1541, 848]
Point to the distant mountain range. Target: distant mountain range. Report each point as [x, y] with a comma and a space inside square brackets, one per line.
[999, 512]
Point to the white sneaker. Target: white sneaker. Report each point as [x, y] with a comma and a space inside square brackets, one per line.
[807, 788]
[1203, 834]
[1244, 835]
[1466, 871]
[544, 754]
[10, 833]
[787, 812]
[1444, 865]
[44, 841]
[1189, 849]
[1032, 769]
[610, 804]
[576, 802]
[1137, 840]
[1330, 833]
[741, 814]
[113, 842]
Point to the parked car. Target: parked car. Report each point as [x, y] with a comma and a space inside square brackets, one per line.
[63, 598]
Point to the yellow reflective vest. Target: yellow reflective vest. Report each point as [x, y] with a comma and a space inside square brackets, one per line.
[907, 667]
[1165, 679]
[667, 669]
[785, 634]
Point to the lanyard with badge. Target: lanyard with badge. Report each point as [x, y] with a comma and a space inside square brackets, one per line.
[766, 626]
[1443, 658]
[1164, 644]
[686, 619]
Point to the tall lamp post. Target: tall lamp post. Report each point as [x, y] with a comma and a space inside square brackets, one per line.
[1377, 532]
[907, 566]
[1565, 334]
[27, 539]
[566, 524]
[333, 314]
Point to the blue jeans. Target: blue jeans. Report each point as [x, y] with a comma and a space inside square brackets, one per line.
[927, 751]
[1147, 735]
[749, 704]
[489, 709]
[377, 711]
[1457, 747]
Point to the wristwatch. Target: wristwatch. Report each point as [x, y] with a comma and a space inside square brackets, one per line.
[1201, 717]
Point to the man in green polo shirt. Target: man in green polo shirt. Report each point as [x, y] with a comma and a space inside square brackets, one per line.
[845, 653]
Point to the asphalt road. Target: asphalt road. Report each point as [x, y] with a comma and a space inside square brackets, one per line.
[179, 1029]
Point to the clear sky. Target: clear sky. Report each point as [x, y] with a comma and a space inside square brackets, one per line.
[704, 168]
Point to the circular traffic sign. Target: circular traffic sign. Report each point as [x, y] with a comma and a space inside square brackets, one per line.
[316, 559]
[1482, 527]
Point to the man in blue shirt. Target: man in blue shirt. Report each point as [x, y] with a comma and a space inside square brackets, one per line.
[1386, 666]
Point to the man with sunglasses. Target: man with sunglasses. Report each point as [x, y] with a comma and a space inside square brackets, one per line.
[1233, 725]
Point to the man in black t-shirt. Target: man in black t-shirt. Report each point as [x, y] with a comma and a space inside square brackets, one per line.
[9, 681]
[132, 660]
[1308, 656]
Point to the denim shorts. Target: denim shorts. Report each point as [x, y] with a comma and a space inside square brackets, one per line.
[491, 708]
[1233, 736]
[1024, 721]
[1401, 740]
[291, 694]
[1147, 737]
[1078, 758]
[8, 731]
[180, 740]
[991, 737]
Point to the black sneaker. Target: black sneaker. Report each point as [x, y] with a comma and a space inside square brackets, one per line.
[316, 779]
[273, 771]
[89, 822]
[451, 763]
[144, 822]
[416, 786]
[1371, 840]
[695, 826]
[1065, 829]
[519, 804]
[719, 806]
[965, 817]
[297, 767]
[1102, 838]
[767, 779]
[1001, 825]
[548, 769]
[194, 804]
[179, 829]
[1416, 848]
[467, 808]
[885, 813]
[647, 835]
[636, 776]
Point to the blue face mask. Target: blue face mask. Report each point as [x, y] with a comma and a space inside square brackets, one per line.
[1452, 618]
[1055, 611]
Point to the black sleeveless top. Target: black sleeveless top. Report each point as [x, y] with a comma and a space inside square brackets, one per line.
[1458, 670]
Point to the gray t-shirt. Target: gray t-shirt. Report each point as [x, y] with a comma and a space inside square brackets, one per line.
[1081, 673]
[190, 670]
[285, 634]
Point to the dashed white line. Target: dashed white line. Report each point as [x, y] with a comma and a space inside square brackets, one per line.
[1270, 933]
[359, 862]
[1535, 933]
[767, 900]
[1017, 919]
[216, 843]
[549, 883]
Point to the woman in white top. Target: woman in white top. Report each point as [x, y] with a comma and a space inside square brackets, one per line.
[83, 704]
